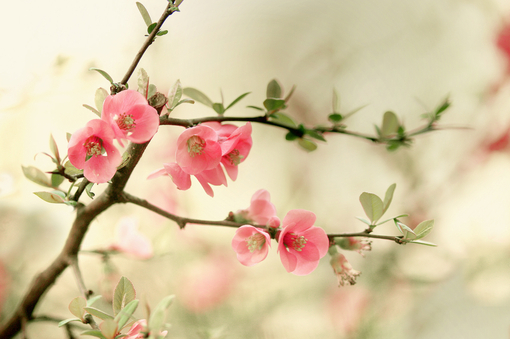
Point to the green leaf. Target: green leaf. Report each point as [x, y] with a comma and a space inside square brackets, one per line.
[385, 221]
[274, 104]
[88, 190]
[421, 242]
[185, 101]
[423, 228]
[108, 328]
[36, 175]
[76, 307]
[239, 98]
[93, 300]
[143, 82]
[54, 149]
[98, 313]
[123, 295]
[405, 230]
[314, 134]
[157, 318]
[63, 322]
[68, 136]
[145, 15]
[443, 107]
[56, 180]
[335, 117]
[103, 73]
[283, 119]
[372, 205]
[306, 144]
[125, 314]
[388, 197]
[70, 169]
[218, 108]
[196, 95]
[291, 136]
[99, 99]
[354, 111]
[364, 221]
[390, 124]
[161, 33]
[152, 91]
[94, 333]
[255, 107]
[273, 90]
[92, 109]
[290, 93]
[175, 94]
[151, 27]
[50, 197]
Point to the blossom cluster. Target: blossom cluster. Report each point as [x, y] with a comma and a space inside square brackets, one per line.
[204, 151]
[125, 116]
[300, 244]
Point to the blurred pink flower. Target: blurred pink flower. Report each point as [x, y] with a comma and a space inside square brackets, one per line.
[251, 245]
[301, 244]
[355, 244]
[346, 308]
[130, 116]
[130, 241]
[261, 210]
[343, 270]
[91, 149]
[207, 283]
[198, 149]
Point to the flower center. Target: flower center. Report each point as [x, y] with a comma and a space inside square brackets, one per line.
[234, 157]
[94, 147]
[255, 242]
[297, 242]
[126, 122]
[196, 145]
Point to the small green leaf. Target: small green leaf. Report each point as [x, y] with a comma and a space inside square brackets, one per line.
[99, 99]
[290, 93]
[196, 95]
[161, 33]
[273, 90]
[151, 27]
[143, 82]
[255, 107]
[390, 124]
[388, 197]
[239, 98]
[88, 189]
[70, 169]
[152, 91]
[174, 95]
[93, 300]
[63, 322]
[283, 119]
[405, 230]
[103, 73]
[443, 107]
[36, 175]
[314, 134]
[306, 144]
[76, 307]
[98, 313]
[54, 148]
[95, 111]
[56, 180]
[124, 294]
[185, 101]
[125, 314]
[157, 318]
[364, 221]
[274, 104]
[291, 136]
[145, 15]
[108, 328]
[94, 333]
[50, 197]
[335, 117]
[423, 228]
[218, 108]
[421, 242]
[372, 205]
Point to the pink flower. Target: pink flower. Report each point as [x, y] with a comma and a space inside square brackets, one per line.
[130, 241]
[251, 245]
[343, 270]
[301, 244]
[130, 116]
[261, 210]
[235, 149]
[198, 149]
[182, 179]
[355, 244]
[91, 149]
[137, 330]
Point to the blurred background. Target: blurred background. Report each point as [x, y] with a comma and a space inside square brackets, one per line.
[388, 55]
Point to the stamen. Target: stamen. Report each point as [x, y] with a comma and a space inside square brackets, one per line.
[196, 145]
[235, 157]
[94, 146]
[255, 242]
[126, 122]
[295, 241]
